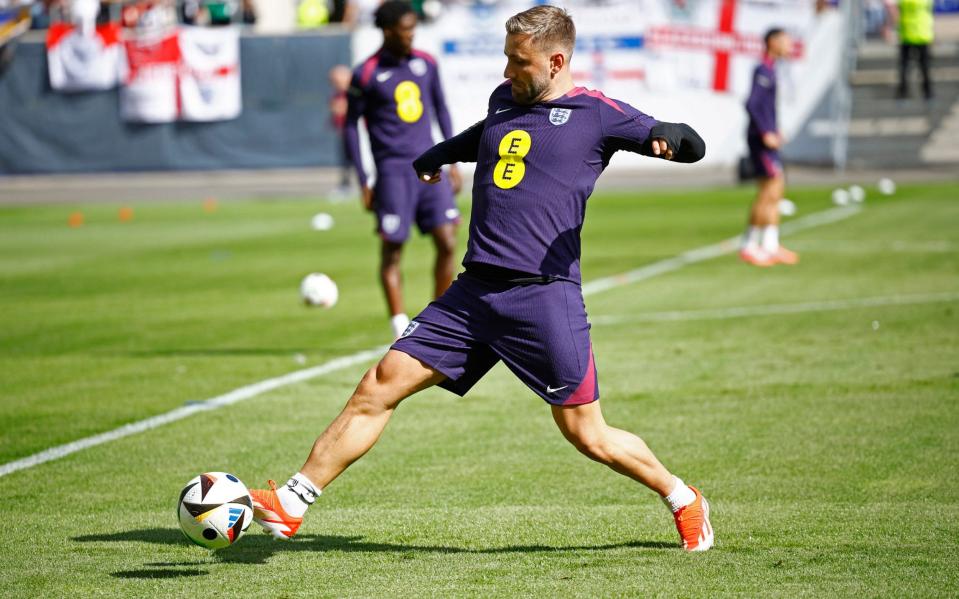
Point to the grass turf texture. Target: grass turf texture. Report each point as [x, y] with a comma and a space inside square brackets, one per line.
[827, 441]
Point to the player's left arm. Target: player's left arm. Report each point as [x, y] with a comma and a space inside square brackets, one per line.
[626, 128]
[674, 141]
[459, 148]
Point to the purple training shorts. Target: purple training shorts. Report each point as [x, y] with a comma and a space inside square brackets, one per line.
[538, 330]
[399, 200]
[766, 162]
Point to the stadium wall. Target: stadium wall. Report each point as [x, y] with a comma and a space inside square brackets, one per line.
[285, 120]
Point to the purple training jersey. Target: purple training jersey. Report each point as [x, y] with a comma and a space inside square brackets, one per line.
[536, 167]
[398, 97]
[761, 104]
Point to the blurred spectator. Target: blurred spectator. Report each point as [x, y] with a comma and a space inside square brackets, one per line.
[875, 16]
[249, 12]
[915, 21]
[149, 14]
[360, 12]
[311, 14]
[217, 12]
[340, 77]
[83, 15]
[15, 19]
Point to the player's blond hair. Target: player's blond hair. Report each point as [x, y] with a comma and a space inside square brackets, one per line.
[549, 26]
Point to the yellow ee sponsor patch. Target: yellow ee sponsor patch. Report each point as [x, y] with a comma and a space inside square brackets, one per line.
[510, 169]
[409, 106]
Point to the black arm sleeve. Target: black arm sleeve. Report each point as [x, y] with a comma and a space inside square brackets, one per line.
[686, 144]
[459, 148]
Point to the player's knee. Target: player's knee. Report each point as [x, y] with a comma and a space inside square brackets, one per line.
[591, 443]
[445, 244]
[375, 391]
[390, 255]
[446, 247]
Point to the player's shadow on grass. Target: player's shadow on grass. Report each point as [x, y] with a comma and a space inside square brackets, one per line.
[160, 573]
[258, 548]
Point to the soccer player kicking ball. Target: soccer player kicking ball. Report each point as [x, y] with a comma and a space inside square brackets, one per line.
[760, 244]
[397, 91]
[538, 153]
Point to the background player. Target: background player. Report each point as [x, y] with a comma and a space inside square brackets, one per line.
[397, 91]
[760, 243]
[538, 153]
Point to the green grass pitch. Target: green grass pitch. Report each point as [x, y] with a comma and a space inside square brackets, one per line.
[826, 437]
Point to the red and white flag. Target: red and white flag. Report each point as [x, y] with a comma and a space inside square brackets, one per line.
[78, 62]
[209, 73]
[150, 94]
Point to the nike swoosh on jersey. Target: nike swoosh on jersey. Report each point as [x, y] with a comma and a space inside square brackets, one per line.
[551, 390]
[499, 110]
[384, 76]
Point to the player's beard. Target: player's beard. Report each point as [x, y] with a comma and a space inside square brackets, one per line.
[531, 92]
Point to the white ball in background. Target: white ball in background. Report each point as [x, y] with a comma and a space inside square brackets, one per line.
[432, 9]
[857, 194]
[840, 197]
[322, 222]
[317, 289]
[787, 207]
[887, 186]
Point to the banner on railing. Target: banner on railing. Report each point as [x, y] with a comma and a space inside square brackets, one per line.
[78, 62]
[190, 74]
[209, 74]
[150, 93]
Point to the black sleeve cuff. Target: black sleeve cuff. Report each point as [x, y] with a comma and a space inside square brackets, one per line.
[686, 144]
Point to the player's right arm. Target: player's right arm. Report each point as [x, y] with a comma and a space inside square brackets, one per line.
[356, 107]
[459, 148]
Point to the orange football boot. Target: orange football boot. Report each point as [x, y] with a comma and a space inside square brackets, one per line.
[268, 512]
[784, 256]
[693, 525]
[756, 257]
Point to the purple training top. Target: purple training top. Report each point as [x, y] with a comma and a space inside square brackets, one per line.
[398, 97]
[761, 104]
[536, 168]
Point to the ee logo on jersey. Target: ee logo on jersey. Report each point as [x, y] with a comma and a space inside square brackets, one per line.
[510, 169]
[409, 106]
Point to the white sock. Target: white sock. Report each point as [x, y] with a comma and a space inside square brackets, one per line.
[770, 238]
[680, 496]
[399, 322]
[297, 495]
[750, 239]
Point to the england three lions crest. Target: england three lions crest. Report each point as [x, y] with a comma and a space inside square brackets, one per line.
[559, 116]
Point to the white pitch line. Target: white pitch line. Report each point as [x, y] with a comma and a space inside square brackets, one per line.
[771, 309]
[709, 252]
[237, 395]
[255, 389]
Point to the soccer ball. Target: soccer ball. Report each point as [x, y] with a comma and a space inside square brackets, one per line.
[857, 194]
[787, 207]
[214, 510]
[322, 222]
[840, 197]
[318, 289]
[887, 186]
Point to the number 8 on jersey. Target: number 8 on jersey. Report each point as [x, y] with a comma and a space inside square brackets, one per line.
[409, 107]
